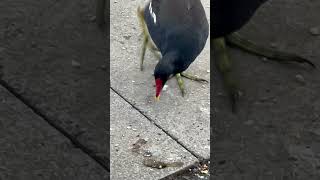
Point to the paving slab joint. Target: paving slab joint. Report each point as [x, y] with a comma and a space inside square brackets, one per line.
[72, 139]
[157, 125]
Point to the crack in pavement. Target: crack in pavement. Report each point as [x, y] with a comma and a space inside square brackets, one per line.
[72, 138]
[158, 126]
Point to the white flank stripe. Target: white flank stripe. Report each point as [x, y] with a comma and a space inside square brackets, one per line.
[153, 15]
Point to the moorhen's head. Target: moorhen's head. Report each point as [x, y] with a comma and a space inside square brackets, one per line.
[164, 69]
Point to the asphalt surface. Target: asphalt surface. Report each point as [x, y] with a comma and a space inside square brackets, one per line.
[52, 57]
[274, 135]
[32, 149]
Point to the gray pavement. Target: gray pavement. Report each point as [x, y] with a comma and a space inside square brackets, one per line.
[30, 148]
[126, 128]
[185, 118]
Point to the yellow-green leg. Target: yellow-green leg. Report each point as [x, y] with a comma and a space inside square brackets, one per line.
[152, 47]
[147, 41]
[144, 46]
[188, 76]
[180, 84]
[224, 65]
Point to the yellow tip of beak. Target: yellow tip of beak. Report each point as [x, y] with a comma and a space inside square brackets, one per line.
[157, 98]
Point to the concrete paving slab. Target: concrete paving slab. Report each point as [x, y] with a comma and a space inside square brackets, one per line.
[186, 118]
[32, 149]
[128, 127]
[53, 54]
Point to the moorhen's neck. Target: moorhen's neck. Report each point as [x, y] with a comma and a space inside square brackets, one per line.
[167, 64]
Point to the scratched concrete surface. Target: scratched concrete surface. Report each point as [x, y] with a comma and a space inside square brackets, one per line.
[185, 118]
[127, 126]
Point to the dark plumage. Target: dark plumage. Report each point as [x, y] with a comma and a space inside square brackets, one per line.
[179, 29]
[230, 15]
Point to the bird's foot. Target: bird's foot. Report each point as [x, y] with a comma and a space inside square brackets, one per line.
[271, 54]
[224, 63]
[193, 77]
[188, 76]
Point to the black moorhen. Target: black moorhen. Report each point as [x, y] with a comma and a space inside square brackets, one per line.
[179, 30]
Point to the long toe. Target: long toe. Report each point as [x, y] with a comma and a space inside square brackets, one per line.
[224, 65]
[193, 77]
[237, 41]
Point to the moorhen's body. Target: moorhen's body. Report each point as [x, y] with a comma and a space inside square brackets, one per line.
[230, 15]
[179, 30]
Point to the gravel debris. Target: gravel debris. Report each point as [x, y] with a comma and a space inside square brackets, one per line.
[300, 79]
[315, 31]
[75, 63]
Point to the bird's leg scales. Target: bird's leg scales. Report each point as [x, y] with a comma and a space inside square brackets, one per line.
[236, 40]
[180, 84]
[224, 66]
[144, 46]
[144, 33]
[147, 42]
[193, 77]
